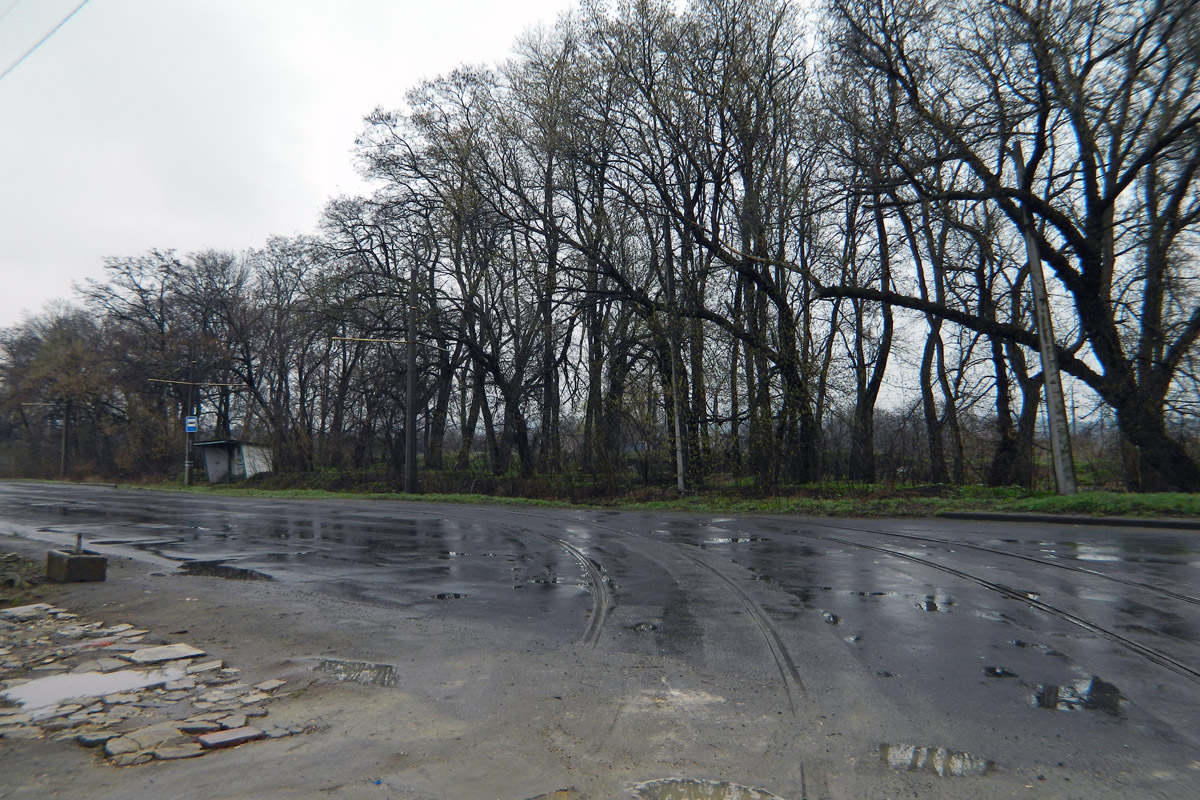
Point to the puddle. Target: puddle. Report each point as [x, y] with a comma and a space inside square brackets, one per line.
[1085, 552]
[999, 672]
[938, 761]
[689, 789]
[1045, 648]
[358, 672]
[934, 604]
[1089, 694]
[215, 569]
[46, 693]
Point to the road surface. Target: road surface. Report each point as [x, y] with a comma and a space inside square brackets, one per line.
[540, 648]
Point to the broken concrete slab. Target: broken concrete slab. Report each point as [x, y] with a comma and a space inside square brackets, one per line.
[205, 666]
[269, 686]
[26, 613]
[230, 738]
[131, 759]
[120, 745]
[189, 750]
[166, 652]
[163, 734]
[95, 738]
[232, 721]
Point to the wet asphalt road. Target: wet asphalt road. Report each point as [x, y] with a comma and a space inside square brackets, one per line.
[1044, 653]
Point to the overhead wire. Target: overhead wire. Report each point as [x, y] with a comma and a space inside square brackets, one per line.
[41, 41]
[8, 10]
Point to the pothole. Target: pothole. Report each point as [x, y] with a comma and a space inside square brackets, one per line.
[935, 604]
[999, 672]
[1089, 694]
[940, 761]
[217, 569]
[690, 789]
[358, 672]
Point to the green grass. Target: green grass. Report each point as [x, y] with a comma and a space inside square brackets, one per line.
[826, 500]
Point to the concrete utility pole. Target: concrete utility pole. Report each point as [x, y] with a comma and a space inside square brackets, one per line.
[187, 434]
[1056, 407]
[672, 333]
[62, 463]
[410, 392]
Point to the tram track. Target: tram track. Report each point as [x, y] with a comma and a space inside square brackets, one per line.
[784, 662]
[1158, 590]
[1147, 653]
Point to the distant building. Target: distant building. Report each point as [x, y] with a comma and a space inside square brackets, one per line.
[228, 460]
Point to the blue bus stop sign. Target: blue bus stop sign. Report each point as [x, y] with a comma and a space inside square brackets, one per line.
[191, 424]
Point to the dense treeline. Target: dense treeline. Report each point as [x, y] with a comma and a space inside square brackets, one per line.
[666, 245]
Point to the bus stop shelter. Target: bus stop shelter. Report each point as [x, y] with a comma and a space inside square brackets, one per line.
[228, 460]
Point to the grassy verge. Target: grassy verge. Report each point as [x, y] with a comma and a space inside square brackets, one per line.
[823, 500]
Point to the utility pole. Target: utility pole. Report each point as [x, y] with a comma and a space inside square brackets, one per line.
[188, 412]
[62, 464]
[411, 485]
[1056, 409]
[672, 333]
[410, 397]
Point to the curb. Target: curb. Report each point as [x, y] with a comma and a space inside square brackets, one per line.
[1063, 519]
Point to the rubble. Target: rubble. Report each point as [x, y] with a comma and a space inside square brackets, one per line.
[64, 677]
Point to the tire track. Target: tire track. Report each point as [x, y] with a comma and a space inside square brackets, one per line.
[792, 683]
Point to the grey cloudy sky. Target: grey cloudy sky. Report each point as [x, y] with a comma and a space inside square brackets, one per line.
[188, 124]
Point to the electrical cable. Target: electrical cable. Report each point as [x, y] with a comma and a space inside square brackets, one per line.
[8, 10]
[41, 41]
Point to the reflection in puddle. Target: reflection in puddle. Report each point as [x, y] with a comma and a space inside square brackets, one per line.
[1090, 694]
[47, 693]
[359, 672]
[689, 789]
[215, 569]
[999, 672]
[938, 761]
[730, 540]
[1044, 648]
[932, 603]
[1086, 552]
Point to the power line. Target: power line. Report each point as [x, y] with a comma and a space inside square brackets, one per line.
[8, 10]
[41, 41]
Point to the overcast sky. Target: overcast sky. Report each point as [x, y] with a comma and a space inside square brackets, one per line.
[188, 124]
